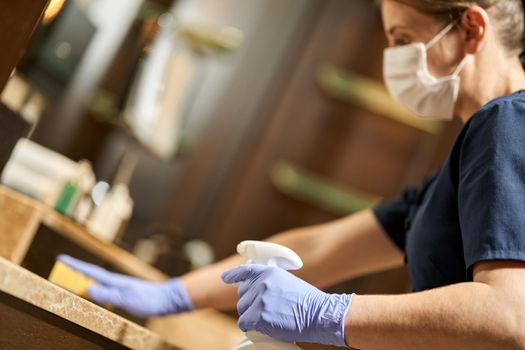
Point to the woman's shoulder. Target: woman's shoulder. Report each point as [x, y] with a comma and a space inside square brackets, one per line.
[497, 129]
[504, 107]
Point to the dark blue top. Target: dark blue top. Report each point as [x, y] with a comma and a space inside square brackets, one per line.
[473, 209]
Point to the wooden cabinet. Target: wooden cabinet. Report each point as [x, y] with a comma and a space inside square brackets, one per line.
[18, 19]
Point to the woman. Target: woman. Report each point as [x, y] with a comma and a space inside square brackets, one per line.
[462, 231]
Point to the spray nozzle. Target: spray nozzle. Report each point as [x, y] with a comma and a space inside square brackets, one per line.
[271, 254]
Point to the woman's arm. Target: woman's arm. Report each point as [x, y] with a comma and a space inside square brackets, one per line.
[353, 246]
[488, 313]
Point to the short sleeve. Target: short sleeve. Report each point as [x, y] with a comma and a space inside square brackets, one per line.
[491, 188]
[394, 215]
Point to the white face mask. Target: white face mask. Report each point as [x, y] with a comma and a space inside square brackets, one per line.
[408, 80]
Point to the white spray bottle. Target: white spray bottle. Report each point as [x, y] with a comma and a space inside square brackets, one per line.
[270, 254]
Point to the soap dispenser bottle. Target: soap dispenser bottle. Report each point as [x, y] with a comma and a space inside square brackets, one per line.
[270, 254]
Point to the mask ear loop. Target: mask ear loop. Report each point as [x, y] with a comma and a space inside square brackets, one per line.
[460, 67]
[441, 34]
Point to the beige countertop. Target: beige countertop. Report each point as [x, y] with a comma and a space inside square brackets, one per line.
[22, 284]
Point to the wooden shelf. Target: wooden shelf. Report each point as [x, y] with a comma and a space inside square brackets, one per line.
[23, 216]
[320, 192]
[117, 257]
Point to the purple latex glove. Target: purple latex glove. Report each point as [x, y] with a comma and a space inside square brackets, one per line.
[138, 297]
[275, 302]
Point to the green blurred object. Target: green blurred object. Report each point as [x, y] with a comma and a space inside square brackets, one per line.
[323, 193]
[68, 199]
[218, 40]
[372, 95]
[103, 106]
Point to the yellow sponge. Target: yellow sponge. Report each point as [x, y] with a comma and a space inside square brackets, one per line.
[70, 279]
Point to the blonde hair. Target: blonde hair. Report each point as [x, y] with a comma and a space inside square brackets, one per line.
[508, 16]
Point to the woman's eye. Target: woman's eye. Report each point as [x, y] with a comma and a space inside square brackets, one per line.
[402, 40]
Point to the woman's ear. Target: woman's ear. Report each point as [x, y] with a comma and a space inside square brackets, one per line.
[475, 23]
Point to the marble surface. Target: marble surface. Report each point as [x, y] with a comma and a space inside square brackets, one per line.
[24, 285]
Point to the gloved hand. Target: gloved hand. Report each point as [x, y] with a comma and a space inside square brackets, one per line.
[138, 297]
[275, 302]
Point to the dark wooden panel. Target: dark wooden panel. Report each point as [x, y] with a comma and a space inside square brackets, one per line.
[328, 137]
[259, 83]
[18, 20]
[46, 246]
[12, 127]
[25, 326]
[340, 141]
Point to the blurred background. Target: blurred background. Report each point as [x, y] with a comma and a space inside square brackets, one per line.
[224, 120]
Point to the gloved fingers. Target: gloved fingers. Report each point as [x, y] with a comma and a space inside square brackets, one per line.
[95, 272]
[106, 295]
[248, 298]
[244, 287]
[250, 318]
[251, 286]
[243, 273]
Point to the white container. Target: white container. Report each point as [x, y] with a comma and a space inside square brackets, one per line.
[33, 184]
[38, 171]
[44, 161]
[107, 218]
